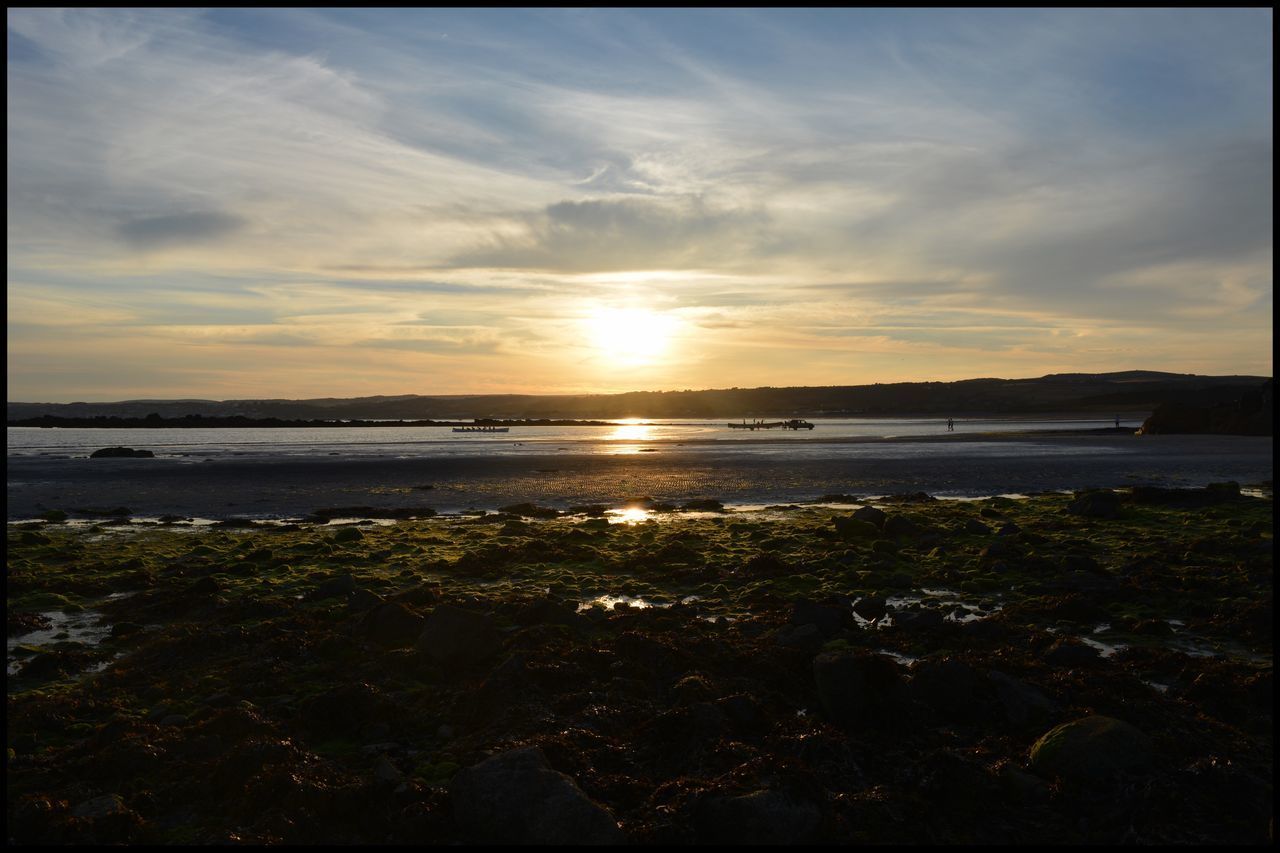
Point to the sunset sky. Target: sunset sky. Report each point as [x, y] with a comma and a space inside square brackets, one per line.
[304, 203]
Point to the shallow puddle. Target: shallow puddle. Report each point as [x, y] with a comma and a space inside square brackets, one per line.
[608, 601]
[84, 627]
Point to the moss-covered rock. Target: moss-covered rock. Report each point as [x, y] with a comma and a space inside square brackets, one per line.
[1091, 749]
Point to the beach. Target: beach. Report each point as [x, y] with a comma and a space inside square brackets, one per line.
[564, 474]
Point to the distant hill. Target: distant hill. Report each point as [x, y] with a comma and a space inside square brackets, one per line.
[1103, 393]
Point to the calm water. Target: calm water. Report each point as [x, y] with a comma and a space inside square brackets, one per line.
[713, 437]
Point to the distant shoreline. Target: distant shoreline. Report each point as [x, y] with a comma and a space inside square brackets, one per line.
[241, 422]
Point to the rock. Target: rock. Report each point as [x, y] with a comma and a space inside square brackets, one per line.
[761, 817]
[900, 525]
[871, 607]
[507, 686]
[857, 689]
[124, 629]
[1095, 504]
[363, 599]
[1091, 750]
[972, 525]
[829, 620]
[1081, 563]
[350, 707]
[871, 515]
[454, 637]
[1206, 412]
[122, 453]
[385, 771]
[335, 587]
[529, 510]
[999, 549]
[1153, 628]
[110, 804]
[1022, 704]
[918, 620]
[515, 797]
[205, 586]
[807, 638]
[1071, 653]
[348, 534]
[852, 529]
[548, 611]
[1023, 787]
[392, 625]
[952, 688]
[174, 721]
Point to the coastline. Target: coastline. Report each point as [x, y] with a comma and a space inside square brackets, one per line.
[752, 471]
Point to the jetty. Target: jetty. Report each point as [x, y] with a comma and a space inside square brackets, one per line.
[482, 429]
[794, 423]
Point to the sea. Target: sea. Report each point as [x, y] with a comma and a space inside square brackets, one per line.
[625, 436]
[287, 472]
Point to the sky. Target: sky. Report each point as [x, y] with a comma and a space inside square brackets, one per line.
[296, 203]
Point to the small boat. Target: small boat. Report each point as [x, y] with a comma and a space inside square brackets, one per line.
[794, 423]
[482, 429]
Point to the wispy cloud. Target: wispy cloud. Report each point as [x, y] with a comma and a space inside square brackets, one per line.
[868, 190]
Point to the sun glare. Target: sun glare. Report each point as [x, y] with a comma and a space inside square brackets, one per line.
[630, 336]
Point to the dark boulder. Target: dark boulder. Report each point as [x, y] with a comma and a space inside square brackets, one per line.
[1023, 704]
[871, 515]
[1101, 503]
[1069, 653]
[453, 637]
[871, 607]
[392, 625]
[761, 817]
[1251, 413]
[951, 688]
[859, 689]
[336, 587]
[515, 797]
[829, 620]
[853, 529]
[1091, 750]
[121, 453]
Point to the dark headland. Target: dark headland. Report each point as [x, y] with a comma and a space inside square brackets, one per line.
[1103, 393]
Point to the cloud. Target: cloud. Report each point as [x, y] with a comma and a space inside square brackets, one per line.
[621, 234]
[786, 179]
[156, 232]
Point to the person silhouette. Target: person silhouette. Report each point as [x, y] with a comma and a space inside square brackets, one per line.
[951, 425]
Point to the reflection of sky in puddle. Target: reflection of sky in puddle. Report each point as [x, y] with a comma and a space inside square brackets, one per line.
[943, 599]
[1192, 646]
[905, 660]
[82, 627]
[607, 602]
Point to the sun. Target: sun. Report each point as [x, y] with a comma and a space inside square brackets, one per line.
[630, 336]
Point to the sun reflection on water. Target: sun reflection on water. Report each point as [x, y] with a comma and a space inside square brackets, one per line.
[632, 429]
[630, 515]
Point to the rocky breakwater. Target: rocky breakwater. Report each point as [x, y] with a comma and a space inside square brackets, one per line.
[1251, 414]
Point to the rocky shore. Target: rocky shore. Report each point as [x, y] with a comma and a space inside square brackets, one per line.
[1090, 668]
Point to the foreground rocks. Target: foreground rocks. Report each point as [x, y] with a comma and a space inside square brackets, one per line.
[515, 797]
[722, 680]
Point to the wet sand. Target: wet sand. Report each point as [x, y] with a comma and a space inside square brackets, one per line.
[1027, 463]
